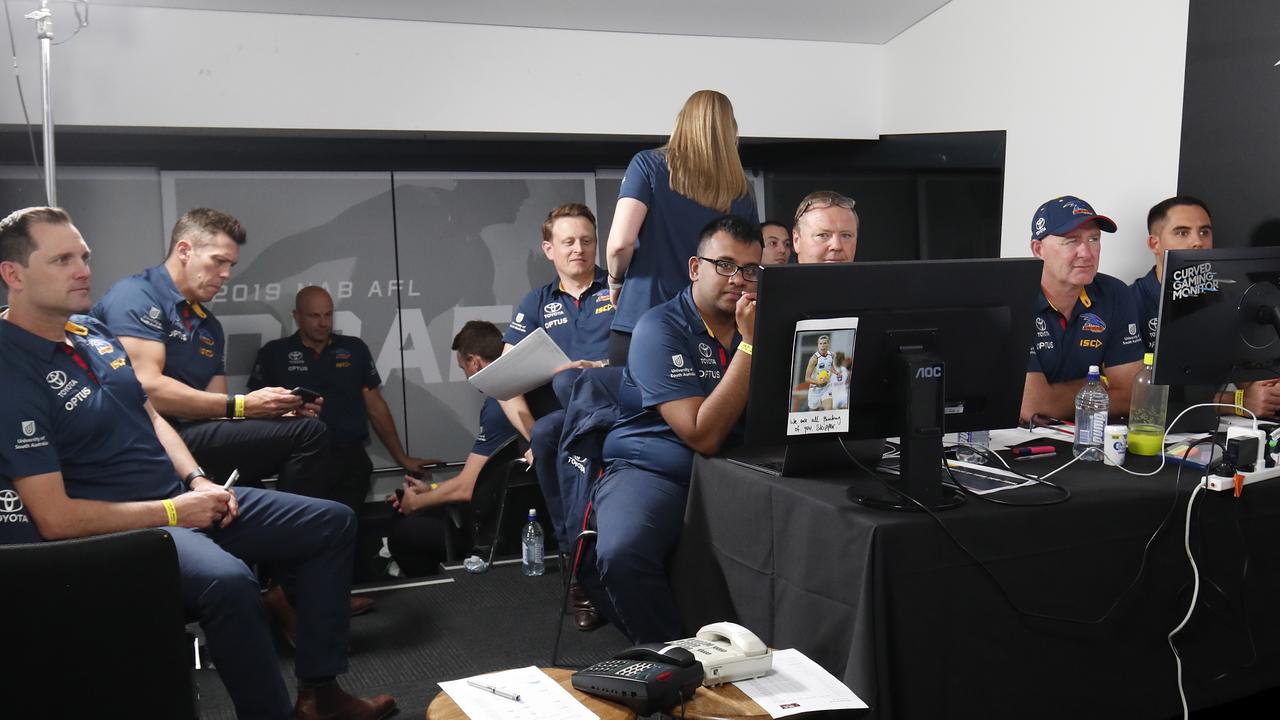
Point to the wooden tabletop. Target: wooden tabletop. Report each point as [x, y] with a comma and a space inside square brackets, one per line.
[444, 708]
[724, 702]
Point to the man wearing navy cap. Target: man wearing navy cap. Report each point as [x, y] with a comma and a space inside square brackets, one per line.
[1084, 317]
[683, 391]
[89, 455]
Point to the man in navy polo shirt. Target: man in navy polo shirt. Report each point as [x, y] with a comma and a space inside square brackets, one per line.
[683, 391]
[576, 312]
[89, 455]
[1183, 222]
[417, 540]
[340, 368]
[1084, 317]
[177, 347]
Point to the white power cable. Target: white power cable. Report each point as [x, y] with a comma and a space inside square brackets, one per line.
[1195, 594]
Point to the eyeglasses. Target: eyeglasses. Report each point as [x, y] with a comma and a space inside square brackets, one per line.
[819, 201]
[750, 273]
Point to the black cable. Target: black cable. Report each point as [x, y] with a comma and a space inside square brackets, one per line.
[82, 21]
[22, 100]
[996, 581]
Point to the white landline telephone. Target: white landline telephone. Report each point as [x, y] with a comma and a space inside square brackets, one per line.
[727, 652]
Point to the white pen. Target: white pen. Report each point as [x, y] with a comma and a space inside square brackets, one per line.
[235, 475]
[495, 690]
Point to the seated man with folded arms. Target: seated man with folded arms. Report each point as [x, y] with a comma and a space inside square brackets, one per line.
[576, 312]
[89, 455]
[1183, 223]
[683, 391]
[417, 540]
[1083, 318]
[825, 228]
[777, 243]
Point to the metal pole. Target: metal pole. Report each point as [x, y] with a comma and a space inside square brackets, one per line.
[44, 31]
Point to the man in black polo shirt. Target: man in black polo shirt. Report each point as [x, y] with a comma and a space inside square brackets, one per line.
[89, 455]
[340, 368]
[1083, 318]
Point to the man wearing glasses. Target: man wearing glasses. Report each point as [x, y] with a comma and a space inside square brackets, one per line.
[1083, 318]
[683, 391]
[826, 229]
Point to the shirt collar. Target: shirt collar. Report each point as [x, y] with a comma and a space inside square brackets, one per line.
[160, 278]
[598, 282]
[1085, 299]
[32, 343]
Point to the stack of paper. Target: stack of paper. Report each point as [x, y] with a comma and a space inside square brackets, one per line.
[541, 698]
[797, 685]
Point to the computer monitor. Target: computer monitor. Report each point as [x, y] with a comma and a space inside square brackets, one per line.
[1219, 318]
[935, 346]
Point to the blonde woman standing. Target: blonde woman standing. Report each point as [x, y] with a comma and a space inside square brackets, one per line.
[668, 194]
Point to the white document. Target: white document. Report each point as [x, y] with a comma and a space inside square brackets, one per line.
[541, 698]
[529, 364]
[796, 685]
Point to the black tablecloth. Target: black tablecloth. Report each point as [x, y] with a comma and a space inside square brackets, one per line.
[891, 605]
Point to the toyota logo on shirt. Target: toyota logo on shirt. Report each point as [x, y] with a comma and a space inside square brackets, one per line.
[10, 502]
[56, 379]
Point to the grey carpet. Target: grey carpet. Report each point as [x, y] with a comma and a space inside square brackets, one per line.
[416, 637]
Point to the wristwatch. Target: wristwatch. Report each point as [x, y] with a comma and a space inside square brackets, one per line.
[191, 476]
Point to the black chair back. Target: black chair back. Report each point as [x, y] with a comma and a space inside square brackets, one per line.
[95, 628]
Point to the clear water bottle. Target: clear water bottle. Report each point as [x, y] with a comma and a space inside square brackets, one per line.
[533, 544]
[1091, 418]
[973, 446]
[1147, 411]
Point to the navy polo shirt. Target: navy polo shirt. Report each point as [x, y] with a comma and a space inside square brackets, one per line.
[149, 306]
[1146, 301]
[578, 325]
[495, 429]
[78, 409]
[341, 372]
[673, 356]
[668, 237]
[1102, 330]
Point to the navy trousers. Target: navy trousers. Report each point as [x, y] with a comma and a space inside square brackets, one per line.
[544, 441]
[639, 515]
[312, 541]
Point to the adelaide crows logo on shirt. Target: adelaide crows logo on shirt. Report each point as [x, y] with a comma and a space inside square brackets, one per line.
[1092, 323]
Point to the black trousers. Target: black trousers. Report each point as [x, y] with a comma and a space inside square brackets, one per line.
[420, 542]
[294, 449]
[351, 472]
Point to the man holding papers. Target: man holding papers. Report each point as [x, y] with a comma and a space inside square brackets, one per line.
[576, 312]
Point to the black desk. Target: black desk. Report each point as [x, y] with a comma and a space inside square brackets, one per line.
[889, 604]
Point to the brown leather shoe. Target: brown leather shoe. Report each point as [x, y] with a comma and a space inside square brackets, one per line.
[331, 702]
[584, 613]
[282, 612]
[360, 605]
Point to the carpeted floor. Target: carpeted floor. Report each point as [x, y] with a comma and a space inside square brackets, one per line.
[416, 637]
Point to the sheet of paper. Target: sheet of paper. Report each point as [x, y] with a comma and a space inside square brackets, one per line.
[821, 364]
[984, 479]
[541, 698]
[796, 685]
[530, 364]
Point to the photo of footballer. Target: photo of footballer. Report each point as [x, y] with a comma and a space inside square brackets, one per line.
[820, 368]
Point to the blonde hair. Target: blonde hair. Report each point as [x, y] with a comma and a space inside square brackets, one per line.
[702, 152]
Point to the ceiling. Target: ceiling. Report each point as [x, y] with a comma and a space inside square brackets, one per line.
[847, 21]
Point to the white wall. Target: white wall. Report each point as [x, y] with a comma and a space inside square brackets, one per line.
[153, 67]
[1089, 92]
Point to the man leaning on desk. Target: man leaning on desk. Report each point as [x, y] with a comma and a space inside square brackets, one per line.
[1083, 317]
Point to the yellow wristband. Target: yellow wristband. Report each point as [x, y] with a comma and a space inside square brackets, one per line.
[239, 406]
[435, 485]
[745, 347]
[171, 511]
[1240, 403]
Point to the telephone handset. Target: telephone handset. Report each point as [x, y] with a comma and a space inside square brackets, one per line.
[647, 678]
[728, 652]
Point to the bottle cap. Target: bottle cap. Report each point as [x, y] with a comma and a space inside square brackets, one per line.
[532, 513]
[1093, 370]
[1149, 359]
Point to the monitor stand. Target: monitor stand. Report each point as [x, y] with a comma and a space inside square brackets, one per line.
[918, 379]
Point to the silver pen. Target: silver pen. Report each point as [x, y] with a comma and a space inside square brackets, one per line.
[495, 690]
[235, 475]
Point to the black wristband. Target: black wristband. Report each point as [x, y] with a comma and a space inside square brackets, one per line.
[191, 476]
[231, 406]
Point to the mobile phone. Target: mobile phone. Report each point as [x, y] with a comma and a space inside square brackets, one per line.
[307, 395]
[399, 494]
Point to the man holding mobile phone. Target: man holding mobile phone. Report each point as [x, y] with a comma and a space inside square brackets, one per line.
[340, 369]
